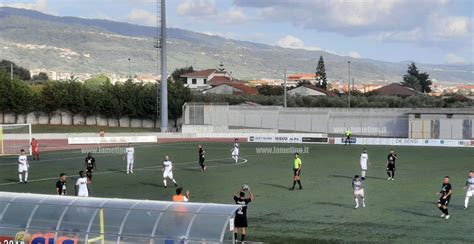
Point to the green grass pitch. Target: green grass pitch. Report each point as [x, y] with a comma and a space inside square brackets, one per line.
[400, 211]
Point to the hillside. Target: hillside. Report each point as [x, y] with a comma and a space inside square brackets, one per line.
[36, 40]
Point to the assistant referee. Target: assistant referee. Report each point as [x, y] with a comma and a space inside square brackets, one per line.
[296, 172]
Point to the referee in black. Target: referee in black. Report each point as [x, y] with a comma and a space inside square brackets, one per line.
[201, 158]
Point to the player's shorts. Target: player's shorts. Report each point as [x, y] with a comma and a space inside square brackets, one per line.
[296, 172]
[359, 192]
[363, 167]
[130, 160]
[235, 153]
[22, 168]
[83, 194]
[444, 202]
[391, 166]
[89, 173]
[469, 193]
[168, 174]
[240, 221]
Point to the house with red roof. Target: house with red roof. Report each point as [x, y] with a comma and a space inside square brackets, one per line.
[395, 89]
[231, 88]
[310, 90]
[205, 79]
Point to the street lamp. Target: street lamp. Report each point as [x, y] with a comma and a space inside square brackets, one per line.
[349, 85]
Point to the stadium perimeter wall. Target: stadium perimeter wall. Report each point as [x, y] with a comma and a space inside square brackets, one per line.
[377, 122]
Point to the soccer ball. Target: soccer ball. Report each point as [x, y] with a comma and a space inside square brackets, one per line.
[245, 187]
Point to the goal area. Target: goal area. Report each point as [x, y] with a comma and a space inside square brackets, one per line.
[14, 137]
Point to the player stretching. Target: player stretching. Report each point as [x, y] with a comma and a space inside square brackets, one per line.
[130, 154]
[391, 158]
[443, 202]
[168, 171]
[90, 166]
[364, 158]
[296, 172]
[469, 188]
[201, 158]
[35, 149]
[81, 185]
[358, 191]
[23, 167]
[235, 150]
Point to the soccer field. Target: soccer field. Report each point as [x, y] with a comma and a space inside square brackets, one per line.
[400, 211]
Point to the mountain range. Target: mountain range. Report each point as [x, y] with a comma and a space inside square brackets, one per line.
[36, 40]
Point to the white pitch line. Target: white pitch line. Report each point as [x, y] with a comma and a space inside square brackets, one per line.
[143, 168]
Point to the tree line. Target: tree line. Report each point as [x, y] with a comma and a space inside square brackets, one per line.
[94, 97]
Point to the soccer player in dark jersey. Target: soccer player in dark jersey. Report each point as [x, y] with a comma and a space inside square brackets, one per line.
[240, 221]
[391, 158]
[201, 158]
[443, 202]
[90, 167]
[61, 188]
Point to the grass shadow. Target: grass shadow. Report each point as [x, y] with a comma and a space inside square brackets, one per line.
[151, 184]
[276, 186]
[341, 176]
[341, 205]
[416, 213]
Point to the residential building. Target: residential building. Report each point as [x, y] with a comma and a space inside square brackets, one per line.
[230, 88]
[309, 90]
[395, 89]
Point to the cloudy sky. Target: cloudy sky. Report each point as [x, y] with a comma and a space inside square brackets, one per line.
[428, 31]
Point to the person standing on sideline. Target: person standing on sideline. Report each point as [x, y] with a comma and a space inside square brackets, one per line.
[348, 135]
[296, 172]
[179, 197]
[61, 188]
[240, 221]
[23, 167]
[364, 160]
[35, 149]
[201, 153]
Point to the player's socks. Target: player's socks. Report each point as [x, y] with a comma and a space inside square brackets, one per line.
[243, 238]
[299, 183]
[20, 177]
[164, 183]
[466, 202]
[446, 212]
[26, 176]
[389, 174]
[235, 236]
[174, 181]
[393, 174]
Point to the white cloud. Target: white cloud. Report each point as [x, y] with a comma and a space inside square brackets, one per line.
[452, 58]
[454, 26]
[197, 8]
[140, 16]
[39, 5]
[295, 43]
[235, 16]
[354, 54]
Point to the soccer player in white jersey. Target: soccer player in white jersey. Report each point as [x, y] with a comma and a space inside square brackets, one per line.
[469, 188]
[130, 155]
[364, 159]
[23, 167]
[81, 185]
[168, 171]
[235, 150]
[358, 191]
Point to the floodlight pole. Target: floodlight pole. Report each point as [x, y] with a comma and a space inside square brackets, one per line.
[284, 89]
[11, 72]
[349, 85]
[164, 76]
